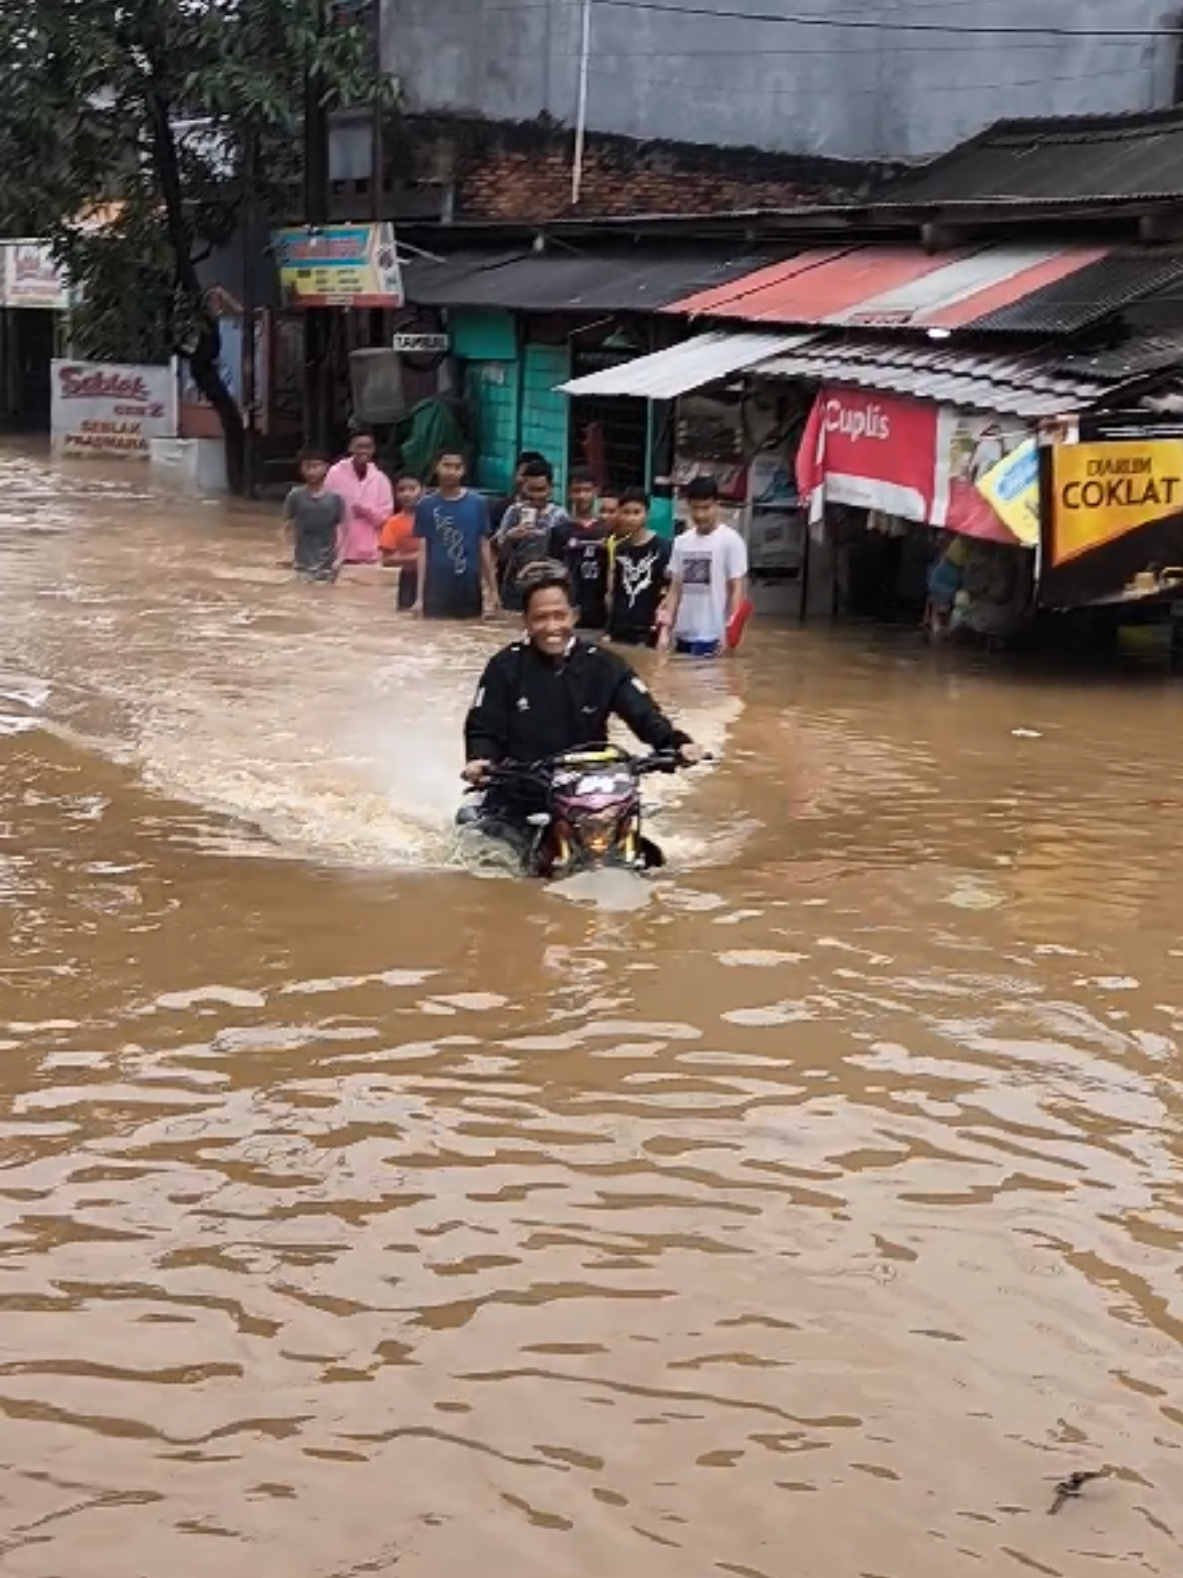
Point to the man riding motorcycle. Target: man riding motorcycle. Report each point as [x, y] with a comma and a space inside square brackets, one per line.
[552, 692]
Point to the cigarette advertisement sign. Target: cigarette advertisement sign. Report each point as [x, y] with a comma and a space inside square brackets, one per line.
[339, 266]
[1116, 528]
[102, 409]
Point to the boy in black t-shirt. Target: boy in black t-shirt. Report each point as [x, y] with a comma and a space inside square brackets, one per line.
[580, 543]
[640, 569]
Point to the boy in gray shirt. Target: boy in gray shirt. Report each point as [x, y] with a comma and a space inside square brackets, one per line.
[313, 519]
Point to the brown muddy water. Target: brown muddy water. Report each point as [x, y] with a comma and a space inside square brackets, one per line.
[806, 1213]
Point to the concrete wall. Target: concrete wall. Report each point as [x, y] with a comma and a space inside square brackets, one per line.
[842, 92]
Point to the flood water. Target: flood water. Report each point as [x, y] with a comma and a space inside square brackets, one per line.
[806, 1213]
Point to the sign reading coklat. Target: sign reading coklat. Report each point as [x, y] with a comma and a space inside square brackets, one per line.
[1115, 532]
[1104, 490]
[339, 266]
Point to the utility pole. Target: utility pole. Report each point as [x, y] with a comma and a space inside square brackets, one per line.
[316, 214]
[377, 120]
[377, 144]
[581, 104]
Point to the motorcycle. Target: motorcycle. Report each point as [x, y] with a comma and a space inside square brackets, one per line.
[593, 811]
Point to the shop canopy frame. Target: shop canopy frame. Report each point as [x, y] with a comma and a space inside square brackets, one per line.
[692, 364]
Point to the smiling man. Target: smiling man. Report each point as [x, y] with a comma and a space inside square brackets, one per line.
[552, 692]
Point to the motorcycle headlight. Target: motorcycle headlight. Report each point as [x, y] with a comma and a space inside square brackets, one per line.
[597, 831]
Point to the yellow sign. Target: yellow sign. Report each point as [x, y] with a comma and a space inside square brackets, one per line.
[339, 266]
[1104, 490]
[1011, 488]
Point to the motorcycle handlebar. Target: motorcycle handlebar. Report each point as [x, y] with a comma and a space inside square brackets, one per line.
[655, 762]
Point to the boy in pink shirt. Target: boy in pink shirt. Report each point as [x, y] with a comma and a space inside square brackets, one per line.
[368, 498]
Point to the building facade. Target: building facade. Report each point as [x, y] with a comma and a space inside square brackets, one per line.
[882, 79]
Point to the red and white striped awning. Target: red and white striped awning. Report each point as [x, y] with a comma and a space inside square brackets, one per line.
[890, 287]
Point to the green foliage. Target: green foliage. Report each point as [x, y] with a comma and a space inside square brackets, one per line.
[138, 109]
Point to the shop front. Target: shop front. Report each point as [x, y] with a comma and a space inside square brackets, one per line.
[704, 417]
[35, 300]
[545, 340]
[894, 486]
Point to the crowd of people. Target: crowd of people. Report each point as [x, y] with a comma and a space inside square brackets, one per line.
[460, 556]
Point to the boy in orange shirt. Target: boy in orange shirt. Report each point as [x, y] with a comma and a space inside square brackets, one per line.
[399, 545]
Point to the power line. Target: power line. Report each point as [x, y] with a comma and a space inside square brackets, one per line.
[722, 90]
[871, 24]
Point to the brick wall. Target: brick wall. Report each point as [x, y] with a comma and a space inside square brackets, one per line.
[523, 172]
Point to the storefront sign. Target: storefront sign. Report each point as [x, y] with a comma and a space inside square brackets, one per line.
[339, 266]
[99, 408]
[30, 277]
[1103, 491]
[910, 458]
[420, 344]
[1116, 528]
[875, 452]
[1011, 488]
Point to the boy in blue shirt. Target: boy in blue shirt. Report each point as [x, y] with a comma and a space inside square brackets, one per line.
[457, 571]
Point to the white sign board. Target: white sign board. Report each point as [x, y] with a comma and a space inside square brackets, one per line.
[29, 277]
[100, 408]
[420, 344]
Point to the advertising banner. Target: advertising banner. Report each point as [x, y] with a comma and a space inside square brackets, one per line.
[1011, 488]
[910, 458]
[1116, 527]
[29, 277]
[102, 409]
[339, 266]
[875, 452]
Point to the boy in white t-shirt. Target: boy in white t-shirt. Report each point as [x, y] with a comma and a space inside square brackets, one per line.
[708, 571]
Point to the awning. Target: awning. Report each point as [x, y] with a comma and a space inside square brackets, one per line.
[664, 374]
[1043, 382]
[1028, 384]
[893, 287]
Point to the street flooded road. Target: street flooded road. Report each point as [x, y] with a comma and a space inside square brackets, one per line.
[806, 1213]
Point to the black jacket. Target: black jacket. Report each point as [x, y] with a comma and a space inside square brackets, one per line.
[528, 706]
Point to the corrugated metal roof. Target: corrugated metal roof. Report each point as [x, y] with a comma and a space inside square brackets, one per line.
[1141, 356]
[1027, 384]
[1091, 293]
[431, 283]
[1098, 157]
[891, 286]
[663, 375]
[565, 281]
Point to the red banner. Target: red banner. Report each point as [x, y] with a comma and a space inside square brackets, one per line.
[911, 458]
[876, 452]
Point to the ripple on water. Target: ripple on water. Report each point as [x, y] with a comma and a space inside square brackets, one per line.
[605, 1246]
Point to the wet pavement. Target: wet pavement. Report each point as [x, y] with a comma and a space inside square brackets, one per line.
[808, 1212]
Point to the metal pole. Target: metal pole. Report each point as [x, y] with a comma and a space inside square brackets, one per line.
[377, 151]
[377, 126]
[581, 107]
[316, 212]
[249, 378]
[806, 556]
